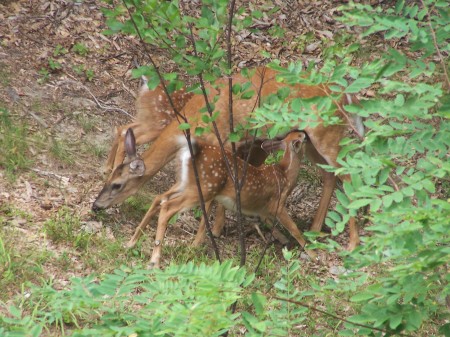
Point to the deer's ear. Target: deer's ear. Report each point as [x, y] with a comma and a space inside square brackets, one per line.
[137, 167]
[130, 143]
[297, 145]
[271, 145]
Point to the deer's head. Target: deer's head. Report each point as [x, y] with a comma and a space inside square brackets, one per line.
[126, 178]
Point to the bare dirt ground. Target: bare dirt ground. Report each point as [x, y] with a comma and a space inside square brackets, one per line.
[71, 86]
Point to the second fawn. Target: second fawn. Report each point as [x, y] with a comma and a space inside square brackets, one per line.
[263, 194]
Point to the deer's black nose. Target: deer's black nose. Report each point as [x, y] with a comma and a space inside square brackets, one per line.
[95, 208]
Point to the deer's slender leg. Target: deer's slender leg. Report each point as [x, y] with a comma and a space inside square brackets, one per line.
[219, 220]
[156, 205]
[329, 183]
[291, 226]
[168, 209]
[201, 233]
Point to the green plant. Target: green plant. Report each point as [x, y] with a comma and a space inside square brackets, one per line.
[64, 261]
[45, 76]
[13, 145]
[59, 50]
[18, 266]
[89, 74]
[276, 316]
[80, 48]
[5, 75]
[5, 261]
[185, 300]
[400, 271]
[61, 151]
[82, 70]
[98, 150]
[54, 65]
[65, 227]
[78, 69]
[136, 206]
[86, 122]
[396, 167]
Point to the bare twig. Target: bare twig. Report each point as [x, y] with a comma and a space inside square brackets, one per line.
[63, 179]
[99, 104]
[237, 184]
[392, 181]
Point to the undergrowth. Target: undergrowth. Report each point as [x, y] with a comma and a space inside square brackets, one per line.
[13, 145]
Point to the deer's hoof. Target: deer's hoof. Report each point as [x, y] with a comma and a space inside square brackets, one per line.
[352, 245]
[197, 243]
[130, 244]
[153, 265]
[309, 255]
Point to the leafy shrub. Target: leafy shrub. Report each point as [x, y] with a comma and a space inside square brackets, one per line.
[185, 300]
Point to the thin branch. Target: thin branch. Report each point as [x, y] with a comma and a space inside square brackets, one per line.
[186, 133]
[337, 317]
[392, 181]
[237, 184]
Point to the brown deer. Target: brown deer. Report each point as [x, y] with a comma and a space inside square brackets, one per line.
[263, 194]
[323, 147]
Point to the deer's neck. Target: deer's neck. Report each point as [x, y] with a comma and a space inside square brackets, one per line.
[290, 164]
[163, 149]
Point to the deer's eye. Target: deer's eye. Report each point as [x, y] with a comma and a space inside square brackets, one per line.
[116, 187]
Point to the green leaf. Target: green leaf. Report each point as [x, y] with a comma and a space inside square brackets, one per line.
[16, 312]
[237, 88]
[428, 185]
[257, 14]
[153, 82]
[199, 131]
[180, 42]
[184, 126]
[259, 301]
[343, 199]
[397, 196]
[445, 330]
[362, 297]
[347, 332]
[399, 100]
[359, 203]
[358, 84]
[205, 117]
[234, 137]
[248, 94]
[395, 321]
